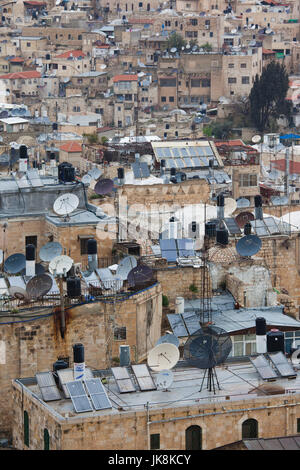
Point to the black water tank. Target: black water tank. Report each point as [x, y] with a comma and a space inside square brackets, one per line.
[247, 229]
[210, 229]
[162, 163]
[23, 152]
[120, 173]
[222, 236]
[52, 156]
[275, 341]
[55, 126]
[34, 164]
[30, 252]
[261, 327]
[66, 172]
[220, 200]
[211, 163]
[258, 201]
[78, 353]
[48, 57]
[73, 287]
[59, 365]
[92, 246]
[194, 226]
[173, 171]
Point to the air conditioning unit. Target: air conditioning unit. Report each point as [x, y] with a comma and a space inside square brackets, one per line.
[77, 268]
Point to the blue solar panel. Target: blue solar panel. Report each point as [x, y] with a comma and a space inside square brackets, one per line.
[177, 325]
[176, 152]
[169, 249]
[179, 163]
[199, 151]
[192, 152]
[184, 152]
[197, 162]
[186, 247]
[167, 152]
[144, 170]
[188, 162]
[136, 170]
[204, 160]
[171, 163]
[191, 321]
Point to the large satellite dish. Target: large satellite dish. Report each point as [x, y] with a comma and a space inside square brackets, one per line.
[104, 186]
[168, 338]
[242, 202]
[243, 218]
[256, 139]
[60, 265]
[15, 263]
[65, 204]
[141, 274]
[164, 379]
[248, 245]
[38, 286]
[18, 293]
[125, 266]
[94, 173]
[230, 206]
[50, 251]
[164, 356]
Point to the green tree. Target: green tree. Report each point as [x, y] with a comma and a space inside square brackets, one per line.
[207, 47]
[175, 40]
[268, 96]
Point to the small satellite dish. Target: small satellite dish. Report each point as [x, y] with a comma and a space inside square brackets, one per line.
[38, 286]
[103, 66]
[1, 256]
[233, 31]
[173, 50]
[18, 293]
[50, 251]
[187, 46]
[256, 139]
[242, 202]
[15, 263]
[65, 204]
[229, 206]
[60, 265]
[268, 31]
[104, 186]
[243, 218]
[280, 200]
[248, 245]
[125, 266]
[141, 274]
[168, 338]
[86, 179]
[164, 379]
[95, 173]
[164, 356]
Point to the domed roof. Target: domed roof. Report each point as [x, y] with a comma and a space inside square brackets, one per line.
[222, 254]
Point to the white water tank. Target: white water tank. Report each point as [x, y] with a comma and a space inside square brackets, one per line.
[179, 305]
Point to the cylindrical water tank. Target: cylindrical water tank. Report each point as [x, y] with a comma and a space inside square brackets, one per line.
[92, 246]
[30, 252]
[261, 338]
[55, 126]
[275, 341]
[78, 358]
[194, 226]
[30, 260]
[73, 287]
[124, 356]
[162, 163]
[258, 200]
[220, 200]
[173, 171]
[222, 236]
[120, 173]
[66, 172]
[247, 228]
[59, 365]
[179, 305]
[23, 152]
[210, 230]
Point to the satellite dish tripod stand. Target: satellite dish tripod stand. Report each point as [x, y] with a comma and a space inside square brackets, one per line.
[212, 380]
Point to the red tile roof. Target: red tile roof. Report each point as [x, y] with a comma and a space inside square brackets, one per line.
[25, 75]
[16, 59]
[229, 143]
[125, 78]
[71, 147]
[268, 51]
[67, 55]
[280, 165]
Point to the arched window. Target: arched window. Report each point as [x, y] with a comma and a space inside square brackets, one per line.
[26, 428]
[193, 438]
[250, 429]
[46, 440]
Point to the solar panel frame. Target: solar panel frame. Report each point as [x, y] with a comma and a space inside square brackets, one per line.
[179, 163]
[280, 362]
[34, 178]
[48, 386]
[167, 152]
[144, 170]
[177, 325]
[176, 152]
[186, 247]
[169, 249]
[136, 170]
[143, 377]
[271, 225]
[188, 162]
[78, 396]
[191, 321]
[232, 226]
[263, 368]
[98, 394]
[197, 162]
[123, 380]
[204, 160]
[184, 152]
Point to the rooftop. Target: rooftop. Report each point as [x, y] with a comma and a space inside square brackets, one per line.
[71, 147]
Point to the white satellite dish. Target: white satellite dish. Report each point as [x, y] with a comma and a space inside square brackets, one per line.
[268, 31]
[125, 266]
[233, 31]
[95, 173]
[173, 50]
[163, 357]
[230, 206]
[60, 265]
[86, 179]
[164, 379]
[103, 66]
[256, 139]
[65, 204]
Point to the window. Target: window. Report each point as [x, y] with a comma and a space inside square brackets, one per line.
[250, 429]
[298, 425]
[167, 82]
[26, 428]
[171, 99]
[31, 240]
[46, 440]
[28, 44]
[245, 81]
[154, 441]
[231, 66]
[64, 67]
[248, 180]
[195, 82]
[243, 66]
[163, 99]
[211, 34]
[231, 80]
[193, 438]
[243, 345]
[206, 82]
[120, 333]
[194, 22]
[83, 246]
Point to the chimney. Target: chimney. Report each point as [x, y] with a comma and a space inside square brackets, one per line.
[258, 207]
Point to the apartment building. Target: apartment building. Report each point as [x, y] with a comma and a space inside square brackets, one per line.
[125, 99]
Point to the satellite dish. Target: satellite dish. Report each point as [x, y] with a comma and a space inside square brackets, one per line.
[94, 173]
[86, 179]
[268, 31]
[141, 274]
[256, 139]
[18, 292]
[233, 31]
[65, 204]
[168, 339]
[163, 356]
[103, 66]
[173, 50]
[38, 286]
[1, 256]
[242, 202]
[243, 218]
[164, 379]
[229, 206]
[280, 200]
[60, 265]
[125, 266]
[248, 245]
[15, 263]
[104, 186]
[50, 251]
[187, 46]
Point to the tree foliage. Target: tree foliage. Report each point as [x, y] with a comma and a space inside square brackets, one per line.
[268, 96]
[175, 40]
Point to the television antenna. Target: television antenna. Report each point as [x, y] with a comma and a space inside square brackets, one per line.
[230, 206]
[243, 218]
[206, 349]
[163, 357]
[18, 293]
[86, 179]
[94, 173]
[242, 202]
[66, 204]
[139, 275]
